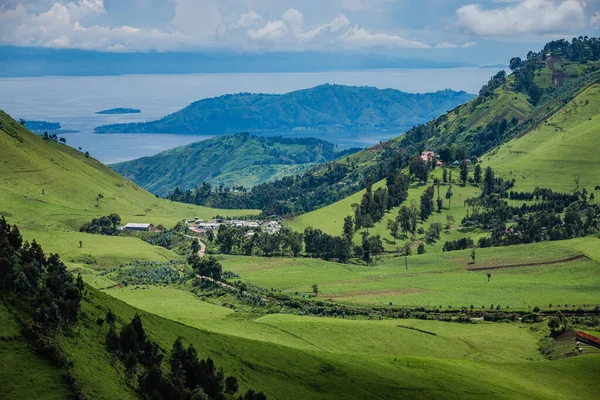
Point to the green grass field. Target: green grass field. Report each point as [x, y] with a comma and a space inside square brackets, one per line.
[24, 374]
[442, 279]
[370, 359]
[563, 147]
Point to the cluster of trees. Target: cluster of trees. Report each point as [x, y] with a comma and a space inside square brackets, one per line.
[494, 83]
[53, 137]
[541, 221]
[233, 240]
[458, 244]
[581, 49]
[289, 196]
[42, 284]
[206, 266]
[188, 377]
[372, 207]
[105, 225]
[321, 245]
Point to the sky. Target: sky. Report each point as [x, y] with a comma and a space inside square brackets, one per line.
[448, 29]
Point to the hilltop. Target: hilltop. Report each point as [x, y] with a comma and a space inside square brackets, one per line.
[231, 161]
[324, 108]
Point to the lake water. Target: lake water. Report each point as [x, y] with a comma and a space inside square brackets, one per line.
[72, 101]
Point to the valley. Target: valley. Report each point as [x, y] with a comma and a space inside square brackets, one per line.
[459, 260]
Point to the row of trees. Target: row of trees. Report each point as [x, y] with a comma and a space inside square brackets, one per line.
[188, 377]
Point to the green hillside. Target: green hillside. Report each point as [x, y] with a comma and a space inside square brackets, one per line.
[562, 148]
[232, 161]
[47, 187]
[325, 107]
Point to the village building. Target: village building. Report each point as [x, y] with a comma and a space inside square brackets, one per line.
[132, 226]
[588, 339]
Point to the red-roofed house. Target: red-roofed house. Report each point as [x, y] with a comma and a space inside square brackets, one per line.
[589, 339]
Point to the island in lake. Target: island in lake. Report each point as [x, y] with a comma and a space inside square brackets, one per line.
[45, 126]
[120, 111]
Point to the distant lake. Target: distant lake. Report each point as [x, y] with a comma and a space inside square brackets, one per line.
[72, 101]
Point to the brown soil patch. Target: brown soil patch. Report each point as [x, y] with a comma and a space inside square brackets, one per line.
[557, 76]
[373, 293]
[566, 260]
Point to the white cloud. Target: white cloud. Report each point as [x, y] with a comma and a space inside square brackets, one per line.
[195, 25]
[596, 18]
[526, 17]
[446, 45]
[58, 28]
[248, 19]
[294, 18]
[469, 44]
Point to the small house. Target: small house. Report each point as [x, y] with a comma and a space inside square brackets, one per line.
[138, 227]
[439, 164]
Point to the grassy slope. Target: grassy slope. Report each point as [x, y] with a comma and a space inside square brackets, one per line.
[23, 374]
[371, 359]
[71, 183]
[553, 153]
[330, 219]
[442, 279]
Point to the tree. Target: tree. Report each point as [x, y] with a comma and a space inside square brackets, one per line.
[195, 247]
[440, 202]
[63, 140]
[421, 248]
[404, 220]
[231, 385]
[515, 63]
[464, 171]
[419, 169]
[210, 235]
[444, 174]
[449, 221]
[80, 244]
[98, 198]
[489, 182]
[348, 231]
[477, 174]
[393, 227]
[315, 289]
[427, 206]
[473, 255]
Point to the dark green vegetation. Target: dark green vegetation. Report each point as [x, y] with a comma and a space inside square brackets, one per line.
[240, 160]
[120, 111]
[323, 108]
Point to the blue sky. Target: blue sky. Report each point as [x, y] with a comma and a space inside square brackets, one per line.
[486, 31]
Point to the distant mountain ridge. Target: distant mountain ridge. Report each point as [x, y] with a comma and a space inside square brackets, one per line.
[231, 160]
[322, 108]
